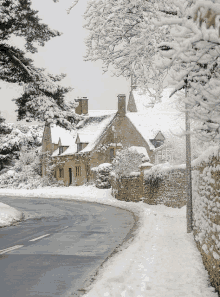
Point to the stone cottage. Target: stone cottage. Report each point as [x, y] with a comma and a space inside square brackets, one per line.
[97, 138]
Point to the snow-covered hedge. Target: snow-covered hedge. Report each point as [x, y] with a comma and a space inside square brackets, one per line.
[206, 210]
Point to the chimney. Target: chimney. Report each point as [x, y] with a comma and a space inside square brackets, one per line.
[82, 108]
[121, 105]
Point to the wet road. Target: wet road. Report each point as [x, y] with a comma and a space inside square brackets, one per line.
[59, 246]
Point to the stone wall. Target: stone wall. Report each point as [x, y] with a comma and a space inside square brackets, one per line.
[128, 188]
[170, 189]
[206, 214]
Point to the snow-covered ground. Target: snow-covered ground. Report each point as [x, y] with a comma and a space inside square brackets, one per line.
[9, 215]
[162, 260]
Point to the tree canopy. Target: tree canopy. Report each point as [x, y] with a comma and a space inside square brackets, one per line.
[122, 35]
[43, 98]
[192, 59]
[153, 39]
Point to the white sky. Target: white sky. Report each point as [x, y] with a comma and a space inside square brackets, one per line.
[65, 55]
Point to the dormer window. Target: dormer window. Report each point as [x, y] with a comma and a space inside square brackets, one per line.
[79, 147]
[60, 150]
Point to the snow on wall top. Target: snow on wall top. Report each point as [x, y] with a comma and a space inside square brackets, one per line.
[207, 156]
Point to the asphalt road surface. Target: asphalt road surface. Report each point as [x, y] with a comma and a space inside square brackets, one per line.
[58, 247]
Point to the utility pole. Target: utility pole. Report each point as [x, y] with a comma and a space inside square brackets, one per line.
[189, 209]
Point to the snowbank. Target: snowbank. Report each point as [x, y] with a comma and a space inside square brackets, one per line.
[161, 261]
[9, 215]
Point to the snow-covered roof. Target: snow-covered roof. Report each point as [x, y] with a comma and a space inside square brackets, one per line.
[89, 131]
[85, 137]
[97, 113]
[94, 126]
[149, 124]
[163, 116]
[144, 101]
[66, 137]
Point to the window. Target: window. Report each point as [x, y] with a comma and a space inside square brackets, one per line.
[55, 173]
[61, 173]
[60, 150]
[79, 147]
[78, 170]
[112, 154]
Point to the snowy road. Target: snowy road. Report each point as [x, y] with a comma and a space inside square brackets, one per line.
[59, 246]
[161, 259]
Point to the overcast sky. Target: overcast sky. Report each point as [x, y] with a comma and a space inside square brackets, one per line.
[65, 55]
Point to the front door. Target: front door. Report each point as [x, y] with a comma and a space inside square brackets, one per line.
[70, 176]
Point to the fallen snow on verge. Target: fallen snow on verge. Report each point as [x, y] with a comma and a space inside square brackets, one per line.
[161, 261]
[9, 215]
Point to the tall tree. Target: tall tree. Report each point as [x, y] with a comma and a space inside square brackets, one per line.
[43, 97]
[193, 61]
[131, 35]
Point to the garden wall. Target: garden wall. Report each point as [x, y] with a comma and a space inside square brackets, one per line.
[168, 189]
[129, 188]
[206, 212]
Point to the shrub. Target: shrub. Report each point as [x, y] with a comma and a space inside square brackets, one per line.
[26, 172]
[103, 178]
[127, 161]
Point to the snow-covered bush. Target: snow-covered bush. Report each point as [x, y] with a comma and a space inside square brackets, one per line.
[26, 172]
[127, 161]
[102, 173]
[16, 136]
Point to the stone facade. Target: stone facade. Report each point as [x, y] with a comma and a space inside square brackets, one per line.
[72, 170]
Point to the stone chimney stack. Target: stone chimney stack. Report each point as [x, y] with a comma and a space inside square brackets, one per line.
[121, 105]
[82, 108]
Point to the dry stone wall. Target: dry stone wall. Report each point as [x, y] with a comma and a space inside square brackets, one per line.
[128, 188]
[170, 189]
[206, 214]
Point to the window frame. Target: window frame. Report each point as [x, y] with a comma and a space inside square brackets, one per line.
[61, 173]
[78, 171]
